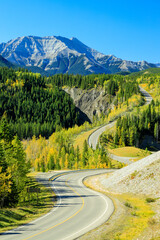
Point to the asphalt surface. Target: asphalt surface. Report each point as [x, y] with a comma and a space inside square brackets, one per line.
[77, 211]
[147, 96]
[93, 138]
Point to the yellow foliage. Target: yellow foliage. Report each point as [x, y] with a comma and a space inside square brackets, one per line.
[5, 184]
[140, 213]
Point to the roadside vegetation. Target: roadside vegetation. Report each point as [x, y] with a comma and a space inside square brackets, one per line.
[58, 152]
[17, 205]
[135, 216]
[28, 208]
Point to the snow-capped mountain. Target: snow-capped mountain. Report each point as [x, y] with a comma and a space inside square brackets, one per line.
[61, 55]
[158, 65]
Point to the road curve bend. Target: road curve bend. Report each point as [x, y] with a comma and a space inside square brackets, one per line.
[94, 137]
[78, 210]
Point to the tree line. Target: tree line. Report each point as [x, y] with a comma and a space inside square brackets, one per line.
[59, 152]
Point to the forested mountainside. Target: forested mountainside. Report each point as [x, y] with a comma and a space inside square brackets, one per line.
[37, 105]
[33, 108]
[96, 95]
[5, 63]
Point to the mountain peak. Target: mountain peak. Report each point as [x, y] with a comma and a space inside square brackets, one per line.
[57, 54]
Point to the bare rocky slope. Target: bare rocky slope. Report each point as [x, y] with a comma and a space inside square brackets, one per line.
[141, 177]
[58, 54]
[92, 102]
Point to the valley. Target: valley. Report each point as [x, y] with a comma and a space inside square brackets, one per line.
[51, 125]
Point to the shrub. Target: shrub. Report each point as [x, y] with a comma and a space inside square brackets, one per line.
[127, 204]
[149, 200]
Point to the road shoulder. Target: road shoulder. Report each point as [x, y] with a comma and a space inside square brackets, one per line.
[114, 221]
[131, 217]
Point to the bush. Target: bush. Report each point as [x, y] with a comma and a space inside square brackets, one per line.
[149, 200]
[127, 204]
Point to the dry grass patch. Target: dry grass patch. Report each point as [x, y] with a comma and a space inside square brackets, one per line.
[129, 152]
[79, 140]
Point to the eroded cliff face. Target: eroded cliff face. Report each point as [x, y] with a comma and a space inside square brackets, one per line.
[92, 102]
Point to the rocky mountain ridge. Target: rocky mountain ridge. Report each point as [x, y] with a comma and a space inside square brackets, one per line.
[60, 55]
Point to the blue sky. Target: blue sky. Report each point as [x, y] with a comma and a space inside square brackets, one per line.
[129, 29]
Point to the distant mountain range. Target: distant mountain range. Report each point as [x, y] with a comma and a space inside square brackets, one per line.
[62, 55]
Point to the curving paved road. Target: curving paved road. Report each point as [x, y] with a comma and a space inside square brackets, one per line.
[77, 211]
[147, 96]
[94, 137]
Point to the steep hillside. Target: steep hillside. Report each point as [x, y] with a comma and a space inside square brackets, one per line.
[61, 55]
[93, 102]
[32, 107]
[5, 63]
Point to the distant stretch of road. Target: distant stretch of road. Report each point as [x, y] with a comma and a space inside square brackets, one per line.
[147, 96]
[77, 211]
[94, 137]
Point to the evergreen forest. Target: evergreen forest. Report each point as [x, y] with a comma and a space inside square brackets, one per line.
[37, 105]
[31, 107]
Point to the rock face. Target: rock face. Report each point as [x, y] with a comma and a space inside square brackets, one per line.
[61, 55]
[91, 102]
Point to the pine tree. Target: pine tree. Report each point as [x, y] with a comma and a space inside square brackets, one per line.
[85, 154]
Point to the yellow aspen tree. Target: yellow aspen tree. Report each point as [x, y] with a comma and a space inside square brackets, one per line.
[5, 185]
[66, 161]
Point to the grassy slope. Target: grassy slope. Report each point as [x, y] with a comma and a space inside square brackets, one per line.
[79, 140]
[24, 213]
[129, 152]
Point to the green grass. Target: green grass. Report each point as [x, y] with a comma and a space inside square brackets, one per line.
[28, 210]
[129, 152]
